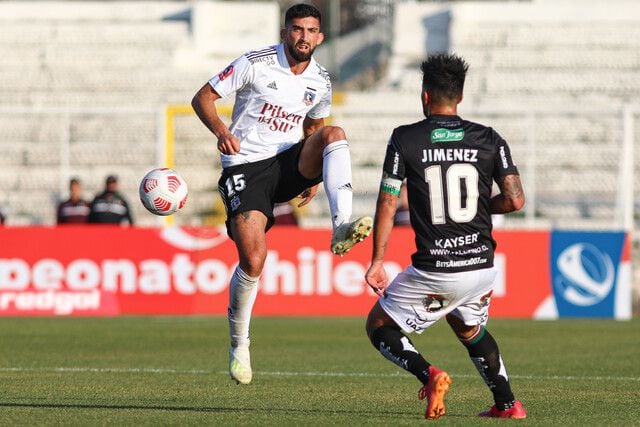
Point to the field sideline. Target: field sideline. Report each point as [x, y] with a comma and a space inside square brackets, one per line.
[307, 371]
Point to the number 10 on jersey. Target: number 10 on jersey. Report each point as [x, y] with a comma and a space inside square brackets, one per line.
[457, 175]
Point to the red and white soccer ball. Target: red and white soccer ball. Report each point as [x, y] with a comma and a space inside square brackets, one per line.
[163, 191]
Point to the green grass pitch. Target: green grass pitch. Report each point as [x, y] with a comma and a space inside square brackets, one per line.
[313, 371]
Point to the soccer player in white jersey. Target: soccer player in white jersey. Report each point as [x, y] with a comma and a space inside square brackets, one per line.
[282, 94]
[450, 165]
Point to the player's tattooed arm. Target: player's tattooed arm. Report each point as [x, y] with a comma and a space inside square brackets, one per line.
[511, 197]
[376, 276]
[385, 211]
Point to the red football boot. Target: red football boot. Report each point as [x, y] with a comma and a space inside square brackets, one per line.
[516, 411]
[434, 391]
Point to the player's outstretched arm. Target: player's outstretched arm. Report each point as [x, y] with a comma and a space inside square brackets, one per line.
[386, 206]
[204, 105]
[511, 197]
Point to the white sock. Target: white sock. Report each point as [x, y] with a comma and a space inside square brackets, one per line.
[243, 290]
[336, 174]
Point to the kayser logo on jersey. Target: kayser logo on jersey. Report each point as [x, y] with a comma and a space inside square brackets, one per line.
[278, 119]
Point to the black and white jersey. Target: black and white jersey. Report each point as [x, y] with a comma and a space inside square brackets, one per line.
[450, 165]
[271, 102]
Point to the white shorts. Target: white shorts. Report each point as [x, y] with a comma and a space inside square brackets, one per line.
[416, 299]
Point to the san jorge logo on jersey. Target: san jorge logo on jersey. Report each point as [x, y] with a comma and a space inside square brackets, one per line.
[446, 135]
[226, 73]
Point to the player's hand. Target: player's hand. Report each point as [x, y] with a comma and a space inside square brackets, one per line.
[377, 278]
[307, 195]
[228, 144]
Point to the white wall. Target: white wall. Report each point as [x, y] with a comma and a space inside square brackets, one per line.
[230, 29]
[410, 34]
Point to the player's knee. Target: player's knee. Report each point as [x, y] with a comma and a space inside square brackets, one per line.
[371, 324]
[369, 328]
[252, 264]
[376, 319]
[332, 134]
[458, 326]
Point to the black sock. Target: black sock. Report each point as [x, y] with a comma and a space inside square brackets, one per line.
[485, 355]
[399, 349]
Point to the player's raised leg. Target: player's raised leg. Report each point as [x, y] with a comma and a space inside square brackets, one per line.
[485, 355]
[248, 232]
[327, 150]
[386, 337]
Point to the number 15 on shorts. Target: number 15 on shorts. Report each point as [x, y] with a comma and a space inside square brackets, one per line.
[235, 184]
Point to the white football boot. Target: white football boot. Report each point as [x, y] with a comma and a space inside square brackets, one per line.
[346, 235]
[240, 364]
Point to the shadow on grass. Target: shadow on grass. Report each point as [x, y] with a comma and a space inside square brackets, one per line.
[210, 409]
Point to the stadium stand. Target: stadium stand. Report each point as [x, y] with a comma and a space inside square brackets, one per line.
[97, 75]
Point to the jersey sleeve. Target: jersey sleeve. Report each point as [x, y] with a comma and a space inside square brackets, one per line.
[393, 168]
[394, 160]
[504, 164]
[323, 108]
[233, 78]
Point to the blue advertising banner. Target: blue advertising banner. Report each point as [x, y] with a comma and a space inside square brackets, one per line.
[585, 270]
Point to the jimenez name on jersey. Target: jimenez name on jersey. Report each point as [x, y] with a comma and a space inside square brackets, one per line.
[450, 165]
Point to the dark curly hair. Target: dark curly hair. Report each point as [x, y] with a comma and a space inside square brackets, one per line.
[443, 77]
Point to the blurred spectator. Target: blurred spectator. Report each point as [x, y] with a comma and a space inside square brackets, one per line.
[74, 210]
[402, 213]
[3, 215]
[284, 214]
[110, 207]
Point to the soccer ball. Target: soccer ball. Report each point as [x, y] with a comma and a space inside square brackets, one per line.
[163, 191]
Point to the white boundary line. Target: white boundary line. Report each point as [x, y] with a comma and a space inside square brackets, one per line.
[294, 374]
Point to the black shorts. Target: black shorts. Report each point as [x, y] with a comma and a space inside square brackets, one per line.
[258, 186]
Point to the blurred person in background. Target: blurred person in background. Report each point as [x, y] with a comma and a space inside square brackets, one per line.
[74, 210]
[3, 215]
[449, 180]
[110, 207]
[281, 94]
[284, 214]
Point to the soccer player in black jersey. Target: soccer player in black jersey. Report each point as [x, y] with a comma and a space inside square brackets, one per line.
[450, 165]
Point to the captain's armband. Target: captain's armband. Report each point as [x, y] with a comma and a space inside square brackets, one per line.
[390, 185]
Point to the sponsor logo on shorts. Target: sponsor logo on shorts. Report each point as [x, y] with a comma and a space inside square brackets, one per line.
[433, 303]
[235, 203]
[486, 299]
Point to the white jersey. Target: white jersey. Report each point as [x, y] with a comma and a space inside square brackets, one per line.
[271, 102]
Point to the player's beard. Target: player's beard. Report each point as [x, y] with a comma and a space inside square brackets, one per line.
[300, 57]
